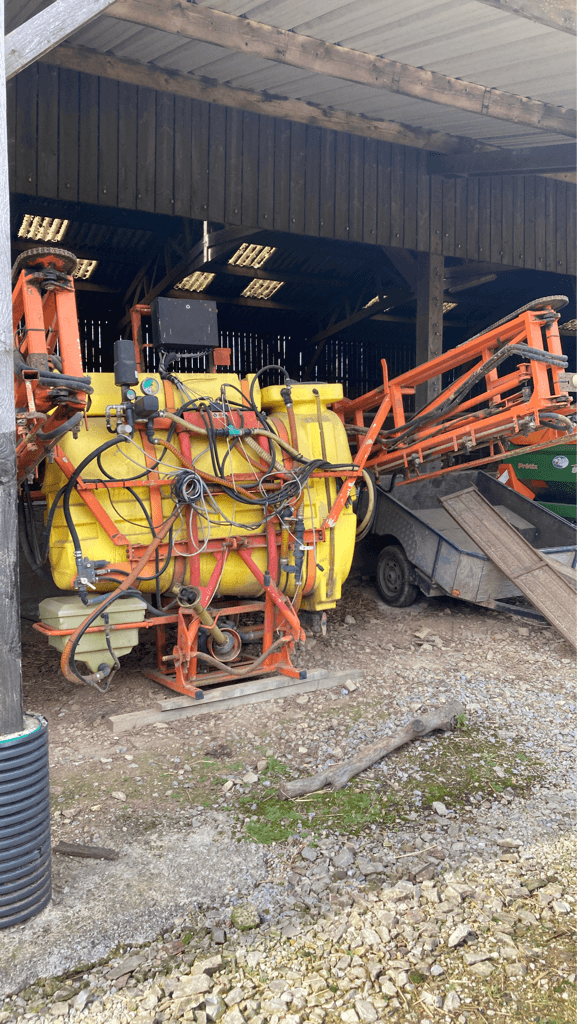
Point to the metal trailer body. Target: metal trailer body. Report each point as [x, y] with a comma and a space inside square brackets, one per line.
[443, 559]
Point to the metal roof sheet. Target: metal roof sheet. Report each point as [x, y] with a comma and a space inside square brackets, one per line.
[462, 38]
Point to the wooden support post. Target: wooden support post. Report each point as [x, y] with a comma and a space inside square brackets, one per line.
[429, 320]
[11, 719]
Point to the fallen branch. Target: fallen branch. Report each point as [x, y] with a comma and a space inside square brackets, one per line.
[337, 776]
[89, 852]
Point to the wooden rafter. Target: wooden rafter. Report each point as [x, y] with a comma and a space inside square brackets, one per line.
[48, 28]
[105, 65]
[559, 14]
[315, 55]
[525, 160]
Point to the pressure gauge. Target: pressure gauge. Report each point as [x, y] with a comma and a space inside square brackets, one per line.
[149, 386]
[130, 394]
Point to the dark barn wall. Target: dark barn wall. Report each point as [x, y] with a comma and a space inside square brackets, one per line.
[81, 138]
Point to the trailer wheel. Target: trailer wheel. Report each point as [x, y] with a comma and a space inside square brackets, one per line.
[395, 577]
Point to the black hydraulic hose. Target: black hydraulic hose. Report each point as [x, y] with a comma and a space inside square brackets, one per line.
[123, 593]
[263, 369]
[70, 424]
[118, 439]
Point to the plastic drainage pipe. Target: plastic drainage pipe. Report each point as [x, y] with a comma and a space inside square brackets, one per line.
[25, 853]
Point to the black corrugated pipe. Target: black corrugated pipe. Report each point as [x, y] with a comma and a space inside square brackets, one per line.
[25, 855]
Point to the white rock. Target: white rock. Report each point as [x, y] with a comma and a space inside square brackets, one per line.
[452, 1002]
[118, 795]
[227, 786]
[439, 808]
[366, 1011]
[250, 778]
[458, 935]
[349, 1017]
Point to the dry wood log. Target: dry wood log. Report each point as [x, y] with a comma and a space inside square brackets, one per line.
[89, 852]
[338, 775]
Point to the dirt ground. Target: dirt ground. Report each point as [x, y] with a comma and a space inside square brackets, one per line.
[101, 783]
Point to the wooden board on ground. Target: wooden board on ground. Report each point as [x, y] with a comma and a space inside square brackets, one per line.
[224, 697]
[537, 577]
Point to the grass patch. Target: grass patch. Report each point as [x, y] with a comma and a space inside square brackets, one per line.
[349, 810]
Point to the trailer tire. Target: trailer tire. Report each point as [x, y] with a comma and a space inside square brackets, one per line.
[395, 577]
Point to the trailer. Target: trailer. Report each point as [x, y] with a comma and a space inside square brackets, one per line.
[424, 550]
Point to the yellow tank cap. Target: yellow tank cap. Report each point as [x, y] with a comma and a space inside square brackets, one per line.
[302, 395]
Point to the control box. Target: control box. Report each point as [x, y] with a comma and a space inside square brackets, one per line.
[183, 324]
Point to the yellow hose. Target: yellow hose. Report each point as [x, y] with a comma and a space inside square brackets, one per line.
[362, 528]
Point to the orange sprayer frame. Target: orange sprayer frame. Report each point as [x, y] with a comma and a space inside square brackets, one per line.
[512, 404]
[45, 323]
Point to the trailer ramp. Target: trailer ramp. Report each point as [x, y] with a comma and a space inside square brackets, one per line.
[535, 576]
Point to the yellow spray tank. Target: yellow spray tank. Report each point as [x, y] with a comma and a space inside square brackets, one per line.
[112, 518]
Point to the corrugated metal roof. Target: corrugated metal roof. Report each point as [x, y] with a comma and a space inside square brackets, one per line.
[461, 38]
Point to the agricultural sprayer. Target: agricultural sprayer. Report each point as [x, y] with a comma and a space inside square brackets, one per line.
[214, 511]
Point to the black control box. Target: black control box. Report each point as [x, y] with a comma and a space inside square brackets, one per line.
[184, 324]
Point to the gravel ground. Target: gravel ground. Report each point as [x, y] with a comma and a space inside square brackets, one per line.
[439, 886]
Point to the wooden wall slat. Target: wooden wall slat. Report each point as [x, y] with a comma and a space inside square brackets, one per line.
[518, 221]
[312, 181]
[108, 143]
[26, 146]
[423, 204]
[216, 162]
[571, 231]
[48, 130]
[484, 219]
[540, 223]
[496, 248]
[68, 135]
[561, 217]
[266, 173]
[164, 191]
[507, 220]
[297, 176]
[77, 137]
[200, 140]
[183, 156]
[461, 193]
[550, 225]
[342, 170]
[397, 194]
[250, 134]
[383, 193]
[282, 151]
[88, 140]
[436, 243]
[356, 187]
[369, 191]
[127, 148]
[146, 149]
[472, 216]
[410, 200]
[529, 221]
[233, 168]
[328, 184]
[449, 190]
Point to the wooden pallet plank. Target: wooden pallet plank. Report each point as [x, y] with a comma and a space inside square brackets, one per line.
[534, 575]
[250, 692]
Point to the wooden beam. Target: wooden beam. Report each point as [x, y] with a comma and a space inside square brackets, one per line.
[164, 80]
[405, 263]
[395, 298]
[191, 21]
[526, 160]
[429, 321]
[11, 718]
[559, 14]
[44, 31]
